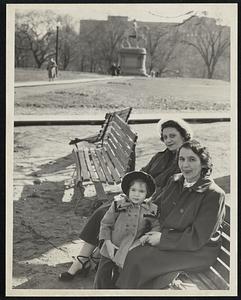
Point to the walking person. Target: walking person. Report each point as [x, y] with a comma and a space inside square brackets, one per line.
[52, 69]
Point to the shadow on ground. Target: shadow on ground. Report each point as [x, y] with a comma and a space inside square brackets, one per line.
[46, 277]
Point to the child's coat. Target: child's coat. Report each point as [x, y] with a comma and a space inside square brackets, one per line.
[124, 223]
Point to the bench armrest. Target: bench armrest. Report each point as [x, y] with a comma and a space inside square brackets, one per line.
[90, 139]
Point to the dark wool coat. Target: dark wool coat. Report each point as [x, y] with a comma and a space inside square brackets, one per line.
[190, 220]
[124, 223]
[161, 167]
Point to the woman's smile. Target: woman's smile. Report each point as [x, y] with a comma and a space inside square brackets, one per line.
[189, 164]
[172, 138]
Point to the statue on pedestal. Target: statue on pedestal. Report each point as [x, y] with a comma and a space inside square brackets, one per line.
[132, 58]
[132, 37]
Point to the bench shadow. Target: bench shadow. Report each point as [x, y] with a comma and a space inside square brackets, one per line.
[54, 166]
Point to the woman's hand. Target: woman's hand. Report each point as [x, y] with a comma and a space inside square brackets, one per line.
[152, 238]
[110, 248]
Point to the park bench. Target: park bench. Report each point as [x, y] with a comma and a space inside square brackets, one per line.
[99, 137]
[216, 277]
[108, 163]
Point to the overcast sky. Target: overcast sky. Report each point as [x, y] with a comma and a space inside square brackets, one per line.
[141, 12]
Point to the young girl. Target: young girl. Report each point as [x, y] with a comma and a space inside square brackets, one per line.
[129, 217]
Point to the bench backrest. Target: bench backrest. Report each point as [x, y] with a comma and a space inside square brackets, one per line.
[218, 276]
[120, 145]
[124, 114]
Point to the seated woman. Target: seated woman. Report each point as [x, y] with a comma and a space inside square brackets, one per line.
[192, 209]
[173, 133]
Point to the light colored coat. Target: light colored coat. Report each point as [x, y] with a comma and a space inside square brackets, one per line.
[124, 223]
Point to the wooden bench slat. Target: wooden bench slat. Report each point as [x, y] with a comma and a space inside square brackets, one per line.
[78, 168]
[196, 280]
[120, 145]
[127, 132]
[125, 127]
[207, 281]
[118, 151]
[224, 256]
[127, 142]
[218, 281]
[104, 167]
[225, 242]
[116, 162]
[222, 270]
[97, 166]
[226, 228]
[84, 170]
[90, 166]
[124, 113]
[227, 214]
[113, 172]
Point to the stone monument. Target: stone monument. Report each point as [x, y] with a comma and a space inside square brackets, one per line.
[132, 59]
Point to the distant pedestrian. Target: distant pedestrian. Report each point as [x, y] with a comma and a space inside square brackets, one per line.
[113, 69]
[52, 69]
[153, 73]
[118, 70]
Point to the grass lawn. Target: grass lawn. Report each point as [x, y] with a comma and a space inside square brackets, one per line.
[31, 74]
[143, 94]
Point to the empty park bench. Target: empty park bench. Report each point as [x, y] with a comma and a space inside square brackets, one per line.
[99, 137]
[108, 163]
[216, 277]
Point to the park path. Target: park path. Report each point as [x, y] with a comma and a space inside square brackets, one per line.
[58, 82]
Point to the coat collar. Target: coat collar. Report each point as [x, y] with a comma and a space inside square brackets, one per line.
[146, 204]
[200, 186]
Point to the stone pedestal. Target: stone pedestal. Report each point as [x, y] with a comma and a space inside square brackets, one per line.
[132, 61]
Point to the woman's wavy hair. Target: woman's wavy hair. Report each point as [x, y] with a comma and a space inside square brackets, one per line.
[180, 125]
[202, 152]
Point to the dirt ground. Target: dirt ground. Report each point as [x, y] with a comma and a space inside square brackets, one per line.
[45, 227]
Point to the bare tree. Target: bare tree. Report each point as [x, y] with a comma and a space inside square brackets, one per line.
[209, 39]
[35, 33]
[161, 44]
[113, 34]
[68, 41]
[89, 48]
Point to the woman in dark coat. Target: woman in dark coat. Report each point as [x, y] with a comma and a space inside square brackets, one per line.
[192, 209]
[173, 133]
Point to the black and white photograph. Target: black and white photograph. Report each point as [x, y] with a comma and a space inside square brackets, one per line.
[121, 149]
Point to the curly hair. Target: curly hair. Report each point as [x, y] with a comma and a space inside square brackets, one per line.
[202, 152]
[180, 125]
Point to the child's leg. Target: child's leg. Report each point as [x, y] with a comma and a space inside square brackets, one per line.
[103, 277]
